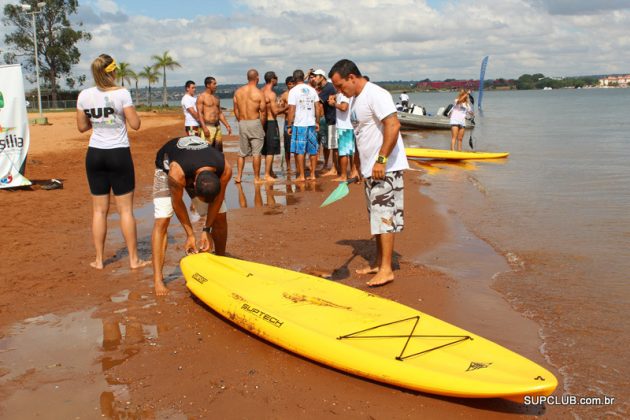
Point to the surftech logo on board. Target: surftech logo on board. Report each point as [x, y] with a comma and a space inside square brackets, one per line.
[263, 315]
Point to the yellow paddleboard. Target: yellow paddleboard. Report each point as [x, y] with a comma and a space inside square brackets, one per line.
[417, 152]
[361, 333]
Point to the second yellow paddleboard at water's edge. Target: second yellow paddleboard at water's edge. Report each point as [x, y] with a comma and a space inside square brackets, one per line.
[416, 152]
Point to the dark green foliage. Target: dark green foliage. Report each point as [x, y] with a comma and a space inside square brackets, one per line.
[56, 41]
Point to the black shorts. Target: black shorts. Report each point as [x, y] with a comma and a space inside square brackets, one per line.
[272, 138]
[110, 170]
[287, 139]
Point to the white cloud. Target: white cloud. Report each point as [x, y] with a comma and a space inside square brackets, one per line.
[389, 39]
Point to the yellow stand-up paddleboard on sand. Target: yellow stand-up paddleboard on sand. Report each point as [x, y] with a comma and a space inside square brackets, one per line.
[361, 333]
[416, 152]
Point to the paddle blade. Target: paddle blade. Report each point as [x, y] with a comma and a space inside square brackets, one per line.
[340, 192]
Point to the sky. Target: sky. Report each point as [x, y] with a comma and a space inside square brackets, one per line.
[388, 39]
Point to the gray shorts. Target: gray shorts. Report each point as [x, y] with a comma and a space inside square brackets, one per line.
[162, 204]
[385, 203]
[251, 138]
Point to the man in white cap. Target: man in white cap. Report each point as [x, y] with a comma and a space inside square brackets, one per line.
[329, 138]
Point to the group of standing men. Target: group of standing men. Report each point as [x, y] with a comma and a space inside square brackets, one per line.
[353, 107]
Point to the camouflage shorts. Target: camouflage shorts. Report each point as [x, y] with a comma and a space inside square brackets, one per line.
[385, 203]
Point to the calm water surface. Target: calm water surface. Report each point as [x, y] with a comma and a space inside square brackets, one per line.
[559, 209]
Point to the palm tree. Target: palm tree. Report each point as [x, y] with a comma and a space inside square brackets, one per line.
[151, 74]
[164, 61]
[136, 78]
[124, 73]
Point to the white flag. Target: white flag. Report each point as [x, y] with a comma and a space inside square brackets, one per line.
[14, 134]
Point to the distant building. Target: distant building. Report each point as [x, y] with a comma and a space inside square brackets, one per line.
[450, 85]
[620, 81]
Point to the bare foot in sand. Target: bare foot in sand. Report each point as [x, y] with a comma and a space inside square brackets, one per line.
[331, 172]
[139, 264]
[341, 179]
[312, 178]
[381, 279]
[300, 179]
[160, 288]
[270, 179]
[97, 264]
[367, 270]
[258, 181]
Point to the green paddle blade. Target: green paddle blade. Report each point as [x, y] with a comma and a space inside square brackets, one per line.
[340, 192]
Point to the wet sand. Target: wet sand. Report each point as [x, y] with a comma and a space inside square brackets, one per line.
[86, 343]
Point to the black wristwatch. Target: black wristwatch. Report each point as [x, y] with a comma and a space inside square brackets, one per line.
[207, 229]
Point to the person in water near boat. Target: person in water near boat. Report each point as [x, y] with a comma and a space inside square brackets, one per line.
[188, 163]
[107, 109]
[459, 112]
[383, 161]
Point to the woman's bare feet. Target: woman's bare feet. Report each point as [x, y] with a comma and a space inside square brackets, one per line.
[341, 179]
[97, 264]
[139, 264]
[237, 180]
[367, 270]
[331, 172]
[270, 179]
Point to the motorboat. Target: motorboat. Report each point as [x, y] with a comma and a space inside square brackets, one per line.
[415, 117]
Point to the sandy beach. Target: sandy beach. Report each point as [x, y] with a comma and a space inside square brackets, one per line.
[94, 343]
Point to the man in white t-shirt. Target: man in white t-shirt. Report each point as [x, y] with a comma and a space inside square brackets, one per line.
[404, 100]
[303, 120]
[189, 106]
[345, 136]
[382, 155]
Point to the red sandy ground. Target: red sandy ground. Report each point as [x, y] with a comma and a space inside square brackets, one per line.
[200, 365]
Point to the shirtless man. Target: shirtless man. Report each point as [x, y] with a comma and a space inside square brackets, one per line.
[284, 100]
[209, 110]
[272, 131]
[250, 111]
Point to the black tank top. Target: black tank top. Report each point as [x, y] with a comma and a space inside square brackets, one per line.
[191, 153]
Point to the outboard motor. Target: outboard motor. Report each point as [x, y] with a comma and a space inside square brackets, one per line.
[447, 110]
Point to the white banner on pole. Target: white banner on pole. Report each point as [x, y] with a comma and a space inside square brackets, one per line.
[14, 133]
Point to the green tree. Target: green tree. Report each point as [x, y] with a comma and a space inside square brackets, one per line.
[56, 40]
[151, 74]
[164, 61]
[124, 73]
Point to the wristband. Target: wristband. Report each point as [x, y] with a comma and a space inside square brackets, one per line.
[207, 229]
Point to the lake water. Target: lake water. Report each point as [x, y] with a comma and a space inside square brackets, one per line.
[559, 210]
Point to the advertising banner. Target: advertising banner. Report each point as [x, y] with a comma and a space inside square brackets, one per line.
[14, 134]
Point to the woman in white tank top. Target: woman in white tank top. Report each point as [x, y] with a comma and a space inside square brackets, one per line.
[458, 113]
[107, 109]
